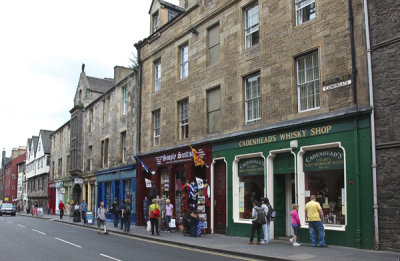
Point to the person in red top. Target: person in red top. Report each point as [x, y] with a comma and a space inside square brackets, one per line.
[61, 207]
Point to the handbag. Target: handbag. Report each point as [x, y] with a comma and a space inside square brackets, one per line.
[172, 224]
[148, 226]
[156, 212]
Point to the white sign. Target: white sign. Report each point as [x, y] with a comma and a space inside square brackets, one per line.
[307, 193]
[78, 181]
[200, 183]
[62, 190]
[148, 183]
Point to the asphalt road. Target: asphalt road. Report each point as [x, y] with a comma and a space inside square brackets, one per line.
[25, 238]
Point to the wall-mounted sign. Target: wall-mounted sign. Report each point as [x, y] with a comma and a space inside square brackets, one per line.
[337, 82]
[251, 167]
[325, 159]
[180, 156]
[62, 190]
[78, 181]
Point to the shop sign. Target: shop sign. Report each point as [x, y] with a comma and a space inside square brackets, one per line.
[78, 181]
[178, 157]
[62, 190]
[251, 167]
[52, 185]
[337, 82]
[59, 184]
[325, 159]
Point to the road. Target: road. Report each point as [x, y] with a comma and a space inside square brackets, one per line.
[25, 238]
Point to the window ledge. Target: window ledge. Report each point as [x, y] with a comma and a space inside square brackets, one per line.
[330, 227]
[242, 221]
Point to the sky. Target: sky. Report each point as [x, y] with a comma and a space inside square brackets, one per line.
[43, 44]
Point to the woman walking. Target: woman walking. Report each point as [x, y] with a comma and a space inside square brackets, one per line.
[266, 227]
[154, 213]
[295, 224]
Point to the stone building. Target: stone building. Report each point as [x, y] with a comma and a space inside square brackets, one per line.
[109, 132]
[274, 96]
[384, 20]
[60, 149]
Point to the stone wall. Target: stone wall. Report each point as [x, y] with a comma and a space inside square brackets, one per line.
[385, 44]
[281, 41]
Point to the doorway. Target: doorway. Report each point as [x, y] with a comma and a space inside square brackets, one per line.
[76, 193]
[219, 204]
[284, 193]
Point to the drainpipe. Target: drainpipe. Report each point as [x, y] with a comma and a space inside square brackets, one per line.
[373, 141]
[356, 137]
[139, 99]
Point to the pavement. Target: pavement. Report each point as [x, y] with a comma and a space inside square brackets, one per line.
[237, 246]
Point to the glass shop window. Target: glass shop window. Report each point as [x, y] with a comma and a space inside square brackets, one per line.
[324, 177]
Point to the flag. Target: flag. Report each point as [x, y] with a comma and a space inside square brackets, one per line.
[141, 162]
[198, 161]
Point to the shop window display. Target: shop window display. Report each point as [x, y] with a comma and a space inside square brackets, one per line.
[324, 177]
[251, 184]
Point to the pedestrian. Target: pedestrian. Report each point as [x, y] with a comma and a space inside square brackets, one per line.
[77, 213]
[154, 213]
[266, 227]
[48, 208]
[83, 211]
[120, 212]
[295, 224]
[61, 207]
[126, 215]
[194, 224]
[115, 211]
[255, 224]
[315, 217]
[101, 218]
[168, 214]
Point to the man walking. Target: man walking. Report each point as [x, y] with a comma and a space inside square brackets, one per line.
[101, 218]
[83, 211]
[315, 216]
[61, 207]
[126, 215]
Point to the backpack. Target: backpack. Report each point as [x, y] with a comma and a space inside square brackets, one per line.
[260, 216]
[128, 210]
[271, 213]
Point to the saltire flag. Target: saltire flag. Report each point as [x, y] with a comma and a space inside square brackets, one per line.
[198, 161]
[141, 162]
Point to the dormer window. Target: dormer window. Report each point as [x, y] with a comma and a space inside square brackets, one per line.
[156, 22]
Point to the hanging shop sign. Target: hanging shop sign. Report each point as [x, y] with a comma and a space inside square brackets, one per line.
[325, 159]
[176, 157]
[337, 82]
[251, 167]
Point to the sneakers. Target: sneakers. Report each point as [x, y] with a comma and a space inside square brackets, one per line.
[291, 240]
[250, 242]
[296, 244]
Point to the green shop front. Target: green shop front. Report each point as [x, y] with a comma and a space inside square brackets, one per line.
[330, 159]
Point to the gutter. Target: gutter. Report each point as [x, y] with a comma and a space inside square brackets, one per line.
[373, 141]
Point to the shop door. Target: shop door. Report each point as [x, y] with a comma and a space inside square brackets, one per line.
[220, 197]
[280, 205]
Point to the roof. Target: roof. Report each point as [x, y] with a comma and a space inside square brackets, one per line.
[45, 134]
[35, 140]
[99, 85]
[169, 6]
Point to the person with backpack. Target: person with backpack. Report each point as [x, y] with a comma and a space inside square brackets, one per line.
[258, 219]
[266, 206]
[115, 211]
[126, 215]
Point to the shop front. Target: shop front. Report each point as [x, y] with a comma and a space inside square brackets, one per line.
[89, 191]
[173, 175]
[117, 183]
[52, 197]
[328, 159]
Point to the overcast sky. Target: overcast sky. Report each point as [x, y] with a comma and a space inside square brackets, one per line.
[42, 47]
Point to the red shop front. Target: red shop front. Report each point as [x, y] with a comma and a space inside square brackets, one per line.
[173, 172]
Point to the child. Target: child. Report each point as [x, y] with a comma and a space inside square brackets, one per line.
[295, 224]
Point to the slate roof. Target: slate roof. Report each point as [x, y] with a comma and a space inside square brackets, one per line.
[100, 85]
[45, 134]
[169, 6]
[35, 140]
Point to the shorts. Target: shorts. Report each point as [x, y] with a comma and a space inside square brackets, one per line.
[100, 222]
[296, 230]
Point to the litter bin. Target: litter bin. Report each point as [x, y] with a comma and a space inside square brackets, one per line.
[77, 216]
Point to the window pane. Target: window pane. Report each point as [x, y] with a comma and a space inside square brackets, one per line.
[250, 188]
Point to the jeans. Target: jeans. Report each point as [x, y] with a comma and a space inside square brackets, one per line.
[127, 223]
[255, 226]
[84, 217]
[319, 228]
[61, 213]
[116, 220]
[154, 223]
[167, 220]
[266, 230]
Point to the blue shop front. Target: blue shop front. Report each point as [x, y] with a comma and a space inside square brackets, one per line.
[117, 183]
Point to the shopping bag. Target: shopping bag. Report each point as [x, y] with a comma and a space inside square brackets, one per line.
[148, 227]
[172, 224]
